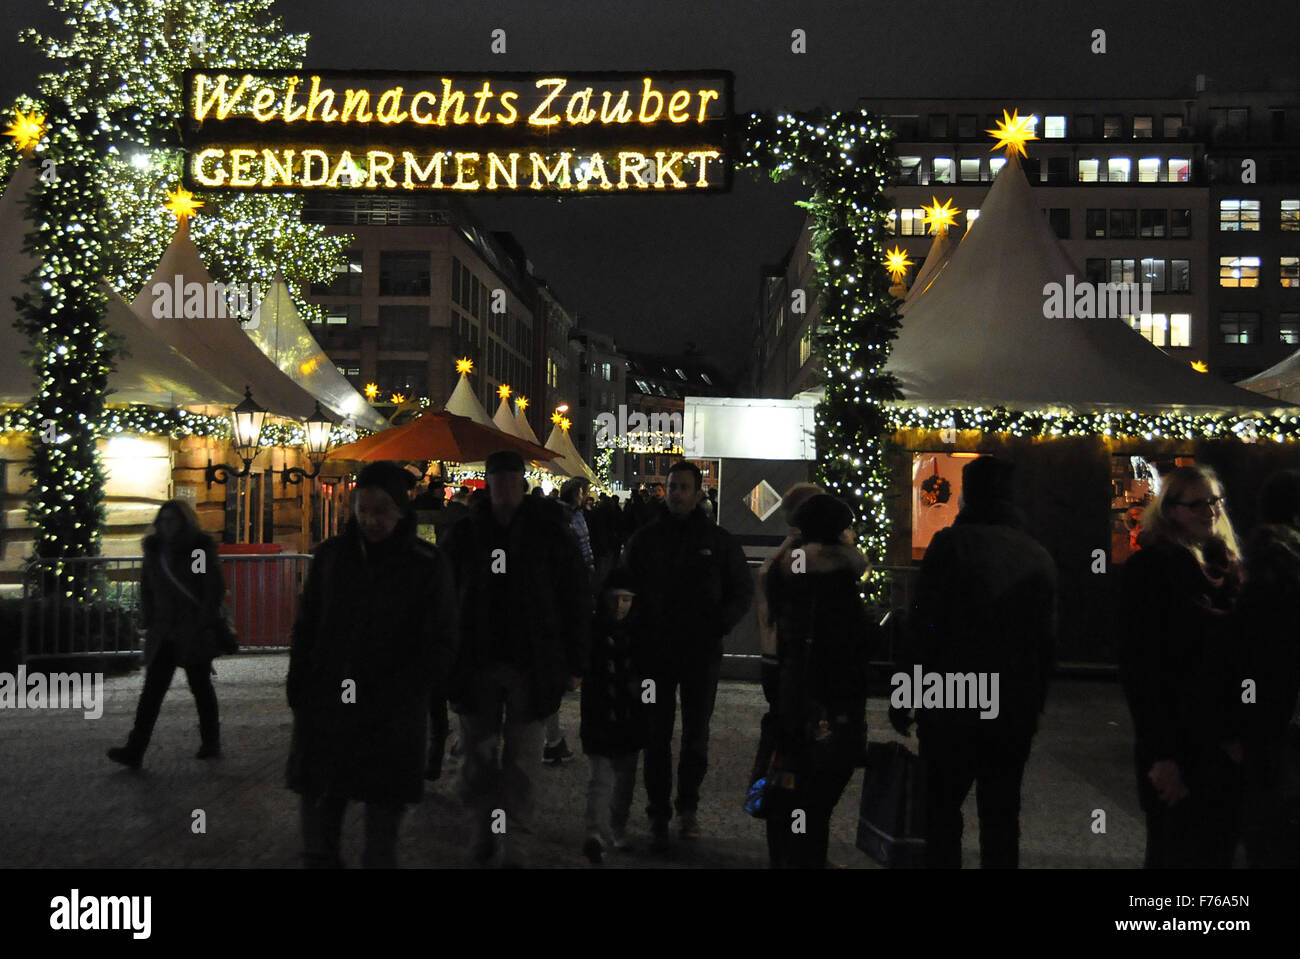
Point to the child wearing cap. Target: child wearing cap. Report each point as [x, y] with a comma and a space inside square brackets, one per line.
[613, 718]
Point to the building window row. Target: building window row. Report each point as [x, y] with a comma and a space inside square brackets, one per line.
[1131, 223]
[1243, 216]
[1121, 170]
[1165, 276]
[466, 290]
[1172, 329]
[1113, 126]
[1239, 272]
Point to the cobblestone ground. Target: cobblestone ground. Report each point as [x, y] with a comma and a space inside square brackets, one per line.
[63, 803]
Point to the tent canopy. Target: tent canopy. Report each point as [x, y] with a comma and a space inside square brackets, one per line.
[216, 343]
[463, 402]
[438, 435]
[570, 461]
[277, 329]
[978, 335]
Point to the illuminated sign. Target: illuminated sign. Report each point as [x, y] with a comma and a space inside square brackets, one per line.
[511, 133]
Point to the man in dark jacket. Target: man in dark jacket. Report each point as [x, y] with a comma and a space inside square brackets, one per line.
[985, 605]
[374, 635]
[525, 607]
[693, 585]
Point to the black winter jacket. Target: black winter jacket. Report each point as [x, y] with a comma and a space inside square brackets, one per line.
[1175, 636]
[548, 611]
[693, 586]
[383, 617]
[183, 615]
[614, 719]
[986, 603]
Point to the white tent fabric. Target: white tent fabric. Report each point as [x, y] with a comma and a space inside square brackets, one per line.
[463, 402]
[504, 420]
[277, 329]
[569, 460]
[148, 371]
[216, 343]
[1280, 381]
[525, 430]
[936, 259]
[978, 335]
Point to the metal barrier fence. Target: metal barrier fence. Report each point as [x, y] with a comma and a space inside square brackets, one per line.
[91, 606]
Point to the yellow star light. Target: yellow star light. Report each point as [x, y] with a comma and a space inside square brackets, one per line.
[1199, 366]
[556, 417]
[940, 216]
[564, 423]
[372, 390]
[397, 399]
[896, 262]
[26, 130]
[1012, 132]
[503, 391]
[521, 403]
[464, 365]
[181, 202]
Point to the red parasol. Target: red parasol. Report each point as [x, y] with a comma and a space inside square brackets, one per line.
[439, 435]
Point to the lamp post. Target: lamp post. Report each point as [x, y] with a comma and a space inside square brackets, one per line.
[247, 419]
[318, 430]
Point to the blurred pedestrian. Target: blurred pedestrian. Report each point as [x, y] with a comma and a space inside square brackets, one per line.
[614, 718]
[525, 610]
[985, 606]
[374, 638]
[693, 586]
[1267, 678]
[824, 646]
[1178, 592]
[557, 749]
[180, 609]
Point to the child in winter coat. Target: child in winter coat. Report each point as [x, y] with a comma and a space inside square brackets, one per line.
[613, 719]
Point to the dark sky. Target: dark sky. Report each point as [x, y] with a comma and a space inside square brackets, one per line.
[659, 272]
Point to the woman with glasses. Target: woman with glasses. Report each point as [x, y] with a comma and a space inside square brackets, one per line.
[1178, 595]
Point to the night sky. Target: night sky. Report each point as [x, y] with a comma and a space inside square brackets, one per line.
[658, 272]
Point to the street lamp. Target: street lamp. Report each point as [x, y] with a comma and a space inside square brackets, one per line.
[318, 430]
[247, 420]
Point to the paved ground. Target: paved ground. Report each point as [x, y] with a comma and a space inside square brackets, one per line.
[62, 803]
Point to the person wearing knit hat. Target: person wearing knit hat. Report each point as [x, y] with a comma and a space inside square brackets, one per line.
[374, 638]
[817, 729]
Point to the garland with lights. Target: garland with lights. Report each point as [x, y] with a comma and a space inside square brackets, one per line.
[847, 160]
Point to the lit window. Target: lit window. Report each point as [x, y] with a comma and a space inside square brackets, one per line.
[1152, 327]
[971, 216]
[1178, 170]
[1123, 271]
[996, 164]
[1239, 329]
[1180, 329]
[970, 170]
[1118, 169]
[942, 167]
[1290, 270]
[1153, 272]
[1053, 128]
[911, 222]
[1142, 128]
[909, 170]
[1290, 215]
[805, 347]
[1148, 170]
[1288, 328]
[1088, 170]
[1237, 215]
[1112, 126]
[1238, 271]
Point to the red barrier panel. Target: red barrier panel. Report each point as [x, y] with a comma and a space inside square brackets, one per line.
[261, 591]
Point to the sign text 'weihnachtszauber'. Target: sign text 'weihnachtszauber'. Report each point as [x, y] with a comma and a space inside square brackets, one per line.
[582, 134]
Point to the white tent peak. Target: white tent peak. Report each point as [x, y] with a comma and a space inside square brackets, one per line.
[569, 461]
[463, 402]
[978, 336]
[504, 420]
[525, 430]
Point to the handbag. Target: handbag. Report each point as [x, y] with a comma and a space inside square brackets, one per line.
[891, 818]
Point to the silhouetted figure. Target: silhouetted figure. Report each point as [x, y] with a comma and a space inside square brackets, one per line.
[693, 586]
[823, 650]
[525, 609]
[1178, 592]
[985, 605]
[375, 635]
[1268, 658]
[180, 602]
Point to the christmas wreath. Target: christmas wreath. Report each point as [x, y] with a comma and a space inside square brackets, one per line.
[935, 491]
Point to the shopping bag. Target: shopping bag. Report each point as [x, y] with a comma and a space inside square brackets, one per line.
[891, 819]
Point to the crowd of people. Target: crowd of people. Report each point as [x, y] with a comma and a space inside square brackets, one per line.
[527, 597]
